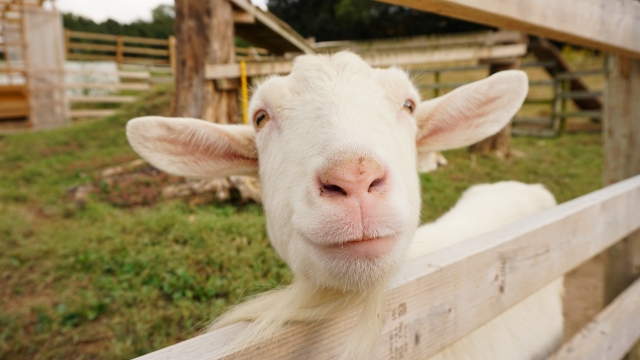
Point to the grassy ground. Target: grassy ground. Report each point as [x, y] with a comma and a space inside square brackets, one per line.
[111, 282]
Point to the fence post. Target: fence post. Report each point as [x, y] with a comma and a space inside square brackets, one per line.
[172, 53]
[436, 80]
[119, 46]
[621, 132]
[67, 41]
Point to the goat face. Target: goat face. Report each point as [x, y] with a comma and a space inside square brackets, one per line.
[337, 149]
[336, 142]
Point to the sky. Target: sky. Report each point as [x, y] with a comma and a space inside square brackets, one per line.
[123, 11]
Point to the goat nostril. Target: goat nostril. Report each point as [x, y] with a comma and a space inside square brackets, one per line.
[375, 183]
[334, 189]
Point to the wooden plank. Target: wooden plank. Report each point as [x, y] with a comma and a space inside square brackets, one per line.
[591, 114]
[228, 71]
[580, 94]
[121, 86]
[518, 131]
[145, 51]
[93, 47]
[611, 334]
[142, 40]
[524, 256]
[600, 24]
[462, 54]
[102, 99]
[621, 130]
[243, 17]
[222, 71]
[481, 38]
[92, 113]
[147, 61]
[532, 120]
[276, 25]
[121, 74]
[90, 36]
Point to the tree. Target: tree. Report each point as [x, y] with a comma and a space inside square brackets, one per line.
[204, 34]
[161, 25]
[362, 19]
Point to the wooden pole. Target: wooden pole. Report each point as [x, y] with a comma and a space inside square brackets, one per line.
[622, 160]
[500, 143]
[119, 46]
[204, 35]
[172, 53]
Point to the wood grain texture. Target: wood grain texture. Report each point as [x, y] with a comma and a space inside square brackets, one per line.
[606, 25]
[380, 60]
[195, 96]
[439, 298]
[421, 42]
[611, 334]
[621, 133]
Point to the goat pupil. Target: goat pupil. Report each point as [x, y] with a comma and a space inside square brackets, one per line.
[259, 119]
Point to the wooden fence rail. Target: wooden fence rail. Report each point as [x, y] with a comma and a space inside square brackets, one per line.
[524, 257]
[134, 50]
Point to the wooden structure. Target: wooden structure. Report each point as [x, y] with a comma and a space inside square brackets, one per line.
[495, 271]
[121, 49]
[410, 52]
[267, 31]
[32, 93]
[560, 84]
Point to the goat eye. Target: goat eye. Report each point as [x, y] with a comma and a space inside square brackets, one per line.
[409, 106]
[260, 119]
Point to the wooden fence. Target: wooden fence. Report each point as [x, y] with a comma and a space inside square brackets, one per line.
[524, 256]
[85, 46]
[121, 49]
[560, 84]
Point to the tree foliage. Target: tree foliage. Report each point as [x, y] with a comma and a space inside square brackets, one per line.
[362, 19]
[160, 26]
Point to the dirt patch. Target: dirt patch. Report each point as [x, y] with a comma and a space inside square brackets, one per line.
[584, 295]
[141, 188]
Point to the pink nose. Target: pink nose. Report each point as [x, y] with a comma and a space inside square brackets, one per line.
[353, 177]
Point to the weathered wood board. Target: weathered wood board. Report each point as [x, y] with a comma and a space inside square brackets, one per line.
[600, 24]
[225, 71]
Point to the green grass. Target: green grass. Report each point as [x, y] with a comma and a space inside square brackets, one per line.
[111, 282]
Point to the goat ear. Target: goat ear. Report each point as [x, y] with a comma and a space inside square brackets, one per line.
[194, 148]
[470, 113]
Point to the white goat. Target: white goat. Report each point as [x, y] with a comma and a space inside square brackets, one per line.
[336, 142]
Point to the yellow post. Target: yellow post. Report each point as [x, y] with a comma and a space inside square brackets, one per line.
[245, 92]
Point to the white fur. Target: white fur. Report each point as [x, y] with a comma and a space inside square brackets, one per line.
[531, 329]
[337, 162]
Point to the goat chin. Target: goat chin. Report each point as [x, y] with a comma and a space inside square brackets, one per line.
[304, 302]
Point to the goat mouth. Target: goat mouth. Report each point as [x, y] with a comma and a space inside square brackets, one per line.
[366, 247]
